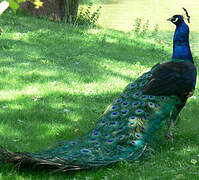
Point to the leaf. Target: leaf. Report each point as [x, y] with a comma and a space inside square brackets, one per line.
[13, 5]
[20, 1]
[37, 4]
[193, 161]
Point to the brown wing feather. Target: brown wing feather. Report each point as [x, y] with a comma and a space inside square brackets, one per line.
[171, 79]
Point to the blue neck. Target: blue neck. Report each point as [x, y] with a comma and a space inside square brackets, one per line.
[181, 48]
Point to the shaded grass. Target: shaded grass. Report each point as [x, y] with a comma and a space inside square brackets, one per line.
[86, 2]
[91, 1]
[56, 80]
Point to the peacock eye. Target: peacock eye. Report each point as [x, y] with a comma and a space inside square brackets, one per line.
[175, 19]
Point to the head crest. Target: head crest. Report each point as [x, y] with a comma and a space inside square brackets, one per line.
[188, 17]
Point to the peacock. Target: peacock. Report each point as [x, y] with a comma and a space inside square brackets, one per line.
[130, 125]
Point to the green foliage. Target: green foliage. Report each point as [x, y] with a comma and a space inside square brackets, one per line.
[15, 4]
[87, 16]
[91, 1]
[142, 29]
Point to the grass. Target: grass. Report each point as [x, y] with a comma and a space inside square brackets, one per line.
[56, 80]
[92, 1]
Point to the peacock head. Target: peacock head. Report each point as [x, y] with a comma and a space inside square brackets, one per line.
[176, 19]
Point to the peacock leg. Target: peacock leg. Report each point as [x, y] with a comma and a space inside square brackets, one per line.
[173, 120]
[171, 123]
[169, 134]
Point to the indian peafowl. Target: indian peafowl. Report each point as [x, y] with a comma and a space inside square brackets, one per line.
[129, 125]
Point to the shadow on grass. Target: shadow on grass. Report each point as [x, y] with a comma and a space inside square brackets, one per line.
[31, 123]
[88, 50]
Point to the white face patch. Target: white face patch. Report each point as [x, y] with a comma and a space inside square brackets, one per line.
[175, 20]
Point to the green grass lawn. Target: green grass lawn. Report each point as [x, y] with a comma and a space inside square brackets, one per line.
[56, 80]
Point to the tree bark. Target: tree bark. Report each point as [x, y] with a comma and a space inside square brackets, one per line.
[70, 10]
[55, 9]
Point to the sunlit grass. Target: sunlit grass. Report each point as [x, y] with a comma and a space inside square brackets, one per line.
[56, 80]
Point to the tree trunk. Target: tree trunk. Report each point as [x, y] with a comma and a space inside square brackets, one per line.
[55, 9]
[70, 10]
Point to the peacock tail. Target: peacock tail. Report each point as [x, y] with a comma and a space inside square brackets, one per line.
[124, 132]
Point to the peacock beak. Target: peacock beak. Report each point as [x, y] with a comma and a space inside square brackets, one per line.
[170, 19]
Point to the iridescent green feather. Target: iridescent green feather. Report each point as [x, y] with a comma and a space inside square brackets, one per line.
[123, 132]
